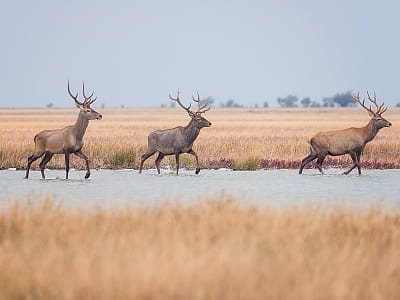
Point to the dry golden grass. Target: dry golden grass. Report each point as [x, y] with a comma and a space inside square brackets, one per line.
[239, 138]
[213, 249]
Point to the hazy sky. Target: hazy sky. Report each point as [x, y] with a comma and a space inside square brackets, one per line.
[134, 53]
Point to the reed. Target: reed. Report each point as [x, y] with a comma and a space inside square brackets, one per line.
[212, 249]
[243, 139]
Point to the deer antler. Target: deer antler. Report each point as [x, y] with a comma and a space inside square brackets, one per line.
[179, 102]
[88, 100]
[201, 109]
[379, 109]
[74, 97]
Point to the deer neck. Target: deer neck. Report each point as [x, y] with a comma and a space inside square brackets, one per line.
[80, 126]
[370, 131]
[191, 132]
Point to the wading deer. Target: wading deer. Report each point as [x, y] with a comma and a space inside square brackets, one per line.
[66, 140]
[347, 141]
[179, 139]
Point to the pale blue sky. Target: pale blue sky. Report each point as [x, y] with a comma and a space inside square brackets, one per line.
[136, 52]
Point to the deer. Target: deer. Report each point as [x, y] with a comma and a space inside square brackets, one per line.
[178, 140]
[350, 141]
[68, 140]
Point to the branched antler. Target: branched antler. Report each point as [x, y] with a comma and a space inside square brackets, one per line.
[201, 109]
[179, 102]
[74, 97]
[380, 109]
[87, 102]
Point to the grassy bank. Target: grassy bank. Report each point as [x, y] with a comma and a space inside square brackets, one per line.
[244, 139]
[214, 249]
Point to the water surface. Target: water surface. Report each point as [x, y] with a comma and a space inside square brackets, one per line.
[121, 187]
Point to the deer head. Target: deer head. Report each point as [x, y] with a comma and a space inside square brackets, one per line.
[196, 116]
[88, 112]
[376, 115]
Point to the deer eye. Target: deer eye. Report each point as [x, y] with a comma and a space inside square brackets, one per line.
[87, 110]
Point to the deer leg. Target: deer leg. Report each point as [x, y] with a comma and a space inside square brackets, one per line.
[144, 157]
[177, 162]
[306, 160]
[83, 156]
[355, 162]
[319, 163]
[66, 165]
[44, 162]
[158, 160]
[197, 160]
[31, 159]
[358, 162]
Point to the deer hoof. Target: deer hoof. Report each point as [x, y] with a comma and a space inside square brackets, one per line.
[87, 175]
[197, 171]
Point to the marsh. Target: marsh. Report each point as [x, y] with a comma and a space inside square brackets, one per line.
[126, 187]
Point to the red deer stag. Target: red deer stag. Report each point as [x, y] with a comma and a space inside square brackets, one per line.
[179, 139]
[347, 141]
[66, 140]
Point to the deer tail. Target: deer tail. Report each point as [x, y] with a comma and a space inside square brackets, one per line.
[311, 141]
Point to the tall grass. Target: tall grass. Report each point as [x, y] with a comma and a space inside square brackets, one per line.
[243, 139]
[213, 249]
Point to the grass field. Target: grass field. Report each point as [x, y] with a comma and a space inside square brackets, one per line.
[244, 139]
[218, 248]
[213, 249]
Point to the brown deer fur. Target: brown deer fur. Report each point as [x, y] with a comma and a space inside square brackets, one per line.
[350, 141]
[179, 139]
[66, 140]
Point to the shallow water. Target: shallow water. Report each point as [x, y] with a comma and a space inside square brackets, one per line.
[121, 187]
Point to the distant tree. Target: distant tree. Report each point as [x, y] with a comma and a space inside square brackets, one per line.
[49, 105]
[103, 105]
[231, 103]
[315, 104]
[172, 104]
[340, 100]
[344, 99]
[265, 104]
[256, 105]
[328, 102]
[288, 101]
[305, 102]
[208, 100]
[398, 104]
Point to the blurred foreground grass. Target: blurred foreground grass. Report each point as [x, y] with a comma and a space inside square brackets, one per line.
[213, 249]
